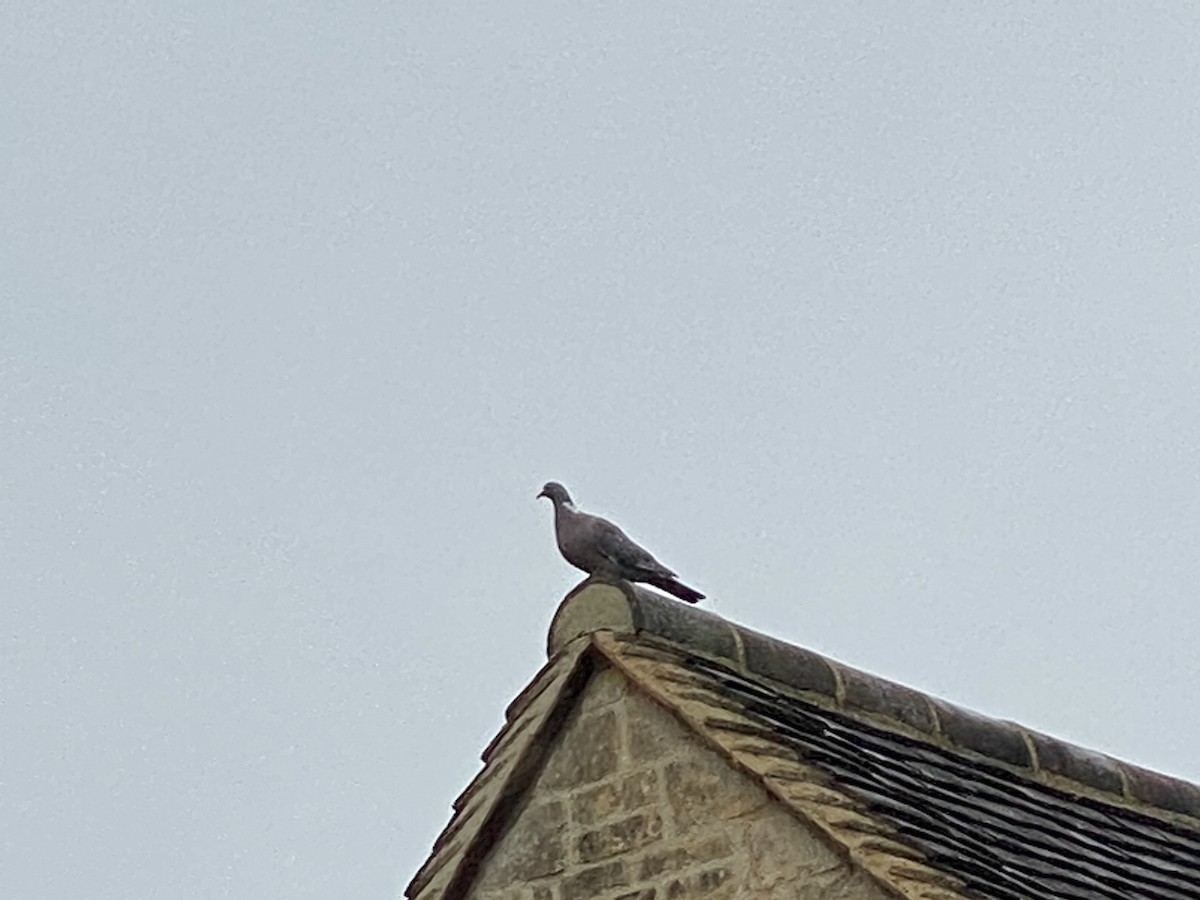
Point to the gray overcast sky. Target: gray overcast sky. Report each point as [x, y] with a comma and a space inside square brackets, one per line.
[877, 322]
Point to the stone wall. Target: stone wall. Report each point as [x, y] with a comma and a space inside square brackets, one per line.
[630, 806]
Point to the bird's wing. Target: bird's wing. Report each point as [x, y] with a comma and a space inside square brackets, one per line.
[619, 550]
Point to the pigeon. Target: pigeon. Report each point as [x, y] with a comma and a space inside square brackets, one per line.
[600, 548]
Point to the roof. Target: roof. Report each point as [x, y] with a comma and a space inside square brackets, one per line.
[934, 801]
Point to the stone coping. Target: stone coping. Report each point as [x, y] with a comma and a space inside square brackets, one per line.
[625, 609]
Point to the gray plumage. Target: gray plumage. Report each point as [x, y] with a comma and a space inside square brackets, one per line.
[600, 548]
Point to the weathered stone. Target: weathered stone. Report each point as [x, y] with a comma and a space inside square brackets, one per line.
[775, 856]
[620, 837]
[588, 753]
[1076, 763]
[999, 740]
[698, 629]
[625, 795]
[702, 884]
[698, 793]
[652, 733]
[838, 882]
[588, 883]
[602, 825]
[796, 666]
[1162, 790]
[692, 853]
[605, 688]
[533, 848]
[895, 701]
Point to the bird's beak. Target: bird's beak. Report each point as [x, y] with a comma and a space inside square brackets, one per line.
[542, 494]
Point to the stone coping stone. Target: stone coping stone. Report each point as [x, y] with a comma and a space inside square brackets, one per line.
[628, 610]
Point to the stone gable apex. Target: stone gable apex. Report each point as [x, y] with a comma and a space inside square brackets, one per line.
[912, 797]
[629, 804]
[594, 788]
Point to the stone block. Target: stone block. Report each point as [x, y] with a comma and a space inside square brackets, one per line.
[644, 894]
[1162, 790]
[1076, 763]
[713, 883]
[796, 666]
[686, 856]
[697, 629]
[895, 701]
[777, 858]
[619, 837]
[652, 731]
[707, 789]
[533, 848]
[624, 795]
[589, 883]
[839, 883]
[588, 752]
[999, 740]
[606, 687]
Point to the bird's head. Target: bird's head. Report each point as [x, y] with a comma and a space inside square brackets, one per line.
[556, 493]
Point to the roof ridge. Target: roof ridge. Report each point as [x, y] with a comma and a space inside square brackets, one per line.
[626, 609]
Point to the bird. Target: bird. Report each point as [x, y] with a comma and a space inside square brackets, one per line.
[603, 550]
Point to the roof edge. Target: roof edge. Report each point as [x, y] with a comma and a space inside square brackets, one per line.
[625, 609]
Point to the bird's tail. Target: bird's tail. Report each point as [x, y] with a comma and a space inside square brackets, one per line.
[675, 588]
